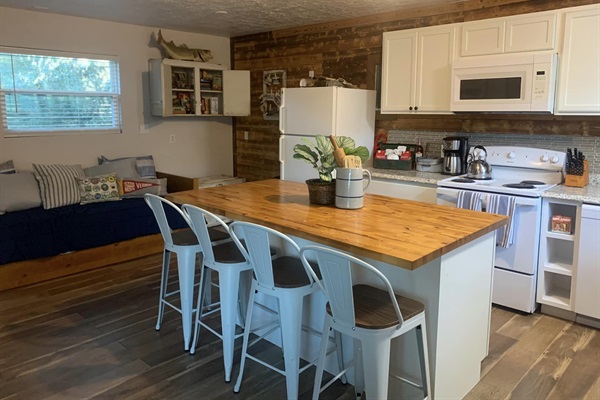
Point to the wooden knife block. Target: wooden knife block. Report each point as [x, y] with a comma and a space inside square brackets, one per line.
[579, 180]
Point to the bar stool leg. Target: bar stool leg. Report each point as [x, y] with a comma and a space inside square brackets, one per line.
[421, 331]
[291, 328]
[205, 276]
[321, 359]
[229, 281]
[164, 281]
[248, 324]
[186, 261]
[359, 373]
[376, 359]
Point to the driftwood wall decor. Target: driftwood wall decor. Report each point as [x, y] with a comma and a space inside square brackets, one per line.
[351, 49]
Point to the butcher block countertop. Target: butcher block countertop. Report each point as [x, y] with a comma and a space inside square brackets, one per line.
[400, 232]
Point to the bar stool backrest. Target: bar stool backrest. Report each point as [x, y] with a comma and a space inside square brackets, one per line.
[200, 220]
[157, 204]
[257, 249]
[336, 270]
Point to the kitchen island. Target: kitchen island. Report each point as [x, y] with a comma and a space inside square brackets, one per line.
[438, 255]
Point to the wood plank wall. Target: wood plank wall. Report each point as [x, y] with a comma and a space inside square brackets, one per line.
[350, 49]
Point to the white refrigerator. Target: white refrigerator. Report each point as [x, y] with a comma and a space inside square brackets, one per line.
[306, 112]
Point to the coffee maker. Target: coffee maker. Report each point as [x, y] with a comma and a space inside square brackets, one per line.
[456, 150]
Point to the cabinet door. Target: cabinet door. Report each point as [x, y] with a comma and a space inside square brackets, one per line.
[587, 291]
[482, 38]
[435, 54]
[236, 93]
[530, 33]
[579, 77]
[398, 71]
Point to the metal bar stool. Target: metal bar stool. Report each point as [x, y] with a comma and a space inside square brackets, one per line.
[184, 244]
[372, 316]
[229, 263]
[289, 282]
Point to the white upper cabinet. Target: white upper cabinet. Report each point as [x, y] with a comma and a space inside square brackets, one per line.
[579, 76]
[194, 89]
[416, 70]
[482, 38]
[529, 32]
[534, 32]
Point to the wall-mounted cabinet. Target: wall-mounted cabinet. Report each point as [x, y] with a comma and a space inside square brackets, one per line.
[534, 32]
[416, 70]
[185, 88]
[579, 72]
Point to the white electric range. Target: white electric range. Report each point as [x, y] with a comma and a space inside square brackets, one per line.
[523, 173]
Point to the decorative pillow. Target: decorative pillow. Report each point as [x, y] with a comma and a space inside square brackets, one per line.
[144, 165]
[7, 167]
[130, 187]
[96, 189]
[123, 168]
[18, 191]
[58, 184]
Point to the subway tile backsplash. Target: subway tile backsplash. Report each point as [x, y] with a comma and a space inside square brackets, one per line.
[432, 142]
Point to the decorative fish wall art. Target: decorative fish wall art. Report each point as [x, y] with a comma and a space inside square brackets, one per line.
[182, 52]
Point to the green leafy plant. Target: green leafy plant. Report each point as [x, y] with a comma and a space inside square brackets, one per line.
[320, 153]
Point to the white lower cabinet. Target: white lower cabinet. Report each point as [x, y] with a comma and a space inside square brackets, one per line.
[404, 190]
[587, 288]
[558, 254]
[569, 263]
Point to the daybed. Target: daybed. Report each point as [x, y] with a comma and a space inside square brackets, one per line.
[37, 244]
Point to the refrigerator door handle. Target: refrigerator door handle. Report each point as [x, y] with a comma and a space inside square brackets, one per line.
[282, 119]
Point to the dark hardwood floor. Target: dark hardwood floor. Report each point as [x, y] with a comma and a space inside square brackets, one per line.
[92, 335]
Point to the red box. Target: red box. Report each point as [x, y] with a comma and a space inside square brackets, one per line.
[561, 224]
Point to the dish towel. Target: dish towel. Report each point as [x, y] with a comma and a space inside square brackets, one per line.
[469, 200]
[503, 205]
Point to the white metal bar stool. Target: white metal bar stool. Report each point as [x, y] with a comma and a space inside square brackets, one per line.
[284, 278]
[371, 316]
[229, 263]
[184, 244]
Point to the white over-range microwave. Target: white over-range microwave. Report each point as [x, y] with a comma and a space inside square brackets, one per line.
[504, 83]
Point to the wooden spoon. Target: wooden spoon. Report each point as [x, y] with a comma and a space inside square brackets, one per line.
[338, 153]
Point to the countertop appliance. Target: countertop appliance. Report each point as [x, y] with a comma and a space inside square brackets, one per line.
[455, 149]
[523, 173]
[477, 166]
[504, 83]
[306, 112]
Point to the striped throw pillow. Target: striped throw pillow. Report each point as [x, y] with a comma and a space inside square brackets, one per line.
[58, 184]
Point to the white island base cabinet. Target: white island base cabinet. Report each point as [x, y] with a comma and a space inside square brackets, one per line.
[587, 287]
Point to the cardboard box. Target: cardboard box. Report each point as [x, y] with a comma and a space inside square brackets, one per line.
[561, 224]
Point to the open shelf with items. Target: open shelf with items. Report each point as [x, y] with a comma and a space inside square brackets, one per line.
[558, 253]
[186, 88]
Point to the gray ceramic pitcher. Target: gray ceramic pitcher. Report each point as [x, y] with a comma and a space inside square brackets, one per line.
[350, 187]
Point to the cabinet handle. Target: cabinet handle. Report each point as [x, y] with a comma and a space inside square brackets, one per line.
[416, 108]
[410, 108]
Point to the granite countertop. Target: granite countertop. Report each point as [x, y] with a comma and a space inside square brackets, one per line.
[589, 194]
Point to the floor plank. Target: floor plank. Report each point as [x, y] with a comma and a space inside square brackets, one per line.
[92, 335]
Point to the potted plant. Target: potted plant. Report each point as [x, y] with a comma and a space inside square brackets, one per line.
[320, 155]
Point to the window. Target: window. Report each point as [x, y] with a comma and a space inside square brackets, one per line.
[43, 92]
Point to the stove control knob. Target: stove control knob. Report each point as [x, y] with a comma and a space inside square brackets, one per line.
[544, 158]
[554, 159]
[511, 155]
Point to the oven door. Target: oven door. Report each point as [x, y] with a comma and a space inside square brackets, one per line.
[522, 255]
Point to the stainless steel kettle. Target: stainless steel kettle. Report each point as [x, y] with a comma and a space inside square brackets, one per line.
[479, 168]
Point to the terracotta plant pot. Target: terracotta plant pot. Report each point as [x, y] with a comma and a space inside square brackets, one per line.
[320, 192]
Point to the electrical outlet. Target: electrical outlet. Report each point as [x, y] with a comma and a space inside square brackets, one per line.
[172, 138]
[311, 74]
[245, 135]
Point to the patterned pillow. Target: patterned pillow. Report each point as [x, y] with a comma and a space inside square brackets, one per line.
[130, 187]
[7, 167]
[100, 188]
[144, 165]
[123, 168]
[58, 184]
